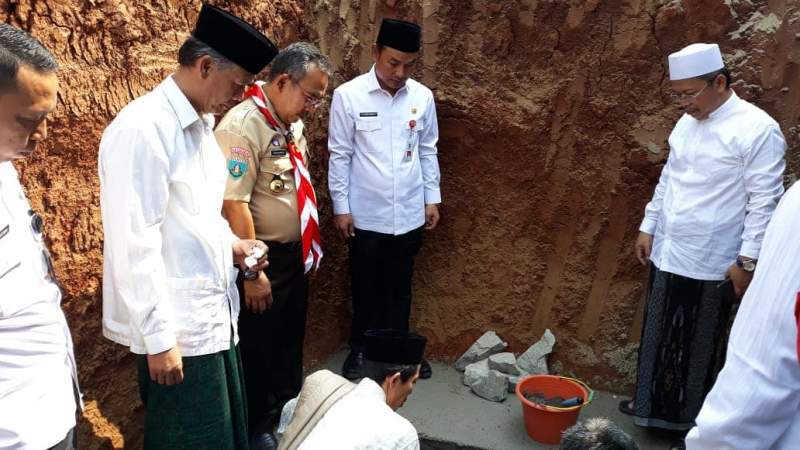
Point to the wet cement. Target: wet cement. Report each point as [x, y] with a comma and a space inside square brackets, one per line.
[449, 416]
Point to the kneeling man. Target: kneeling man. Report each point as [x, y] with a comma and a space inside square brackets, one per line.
[334, 413]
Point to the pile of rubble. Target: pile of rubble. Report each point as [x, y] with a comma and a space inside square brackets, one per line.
[491, 372]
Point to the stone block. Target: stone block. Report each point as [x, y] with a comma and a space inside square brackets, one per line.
[504, 362]
[475, 372]
[534, 360]
[485, 346]
[494, 386]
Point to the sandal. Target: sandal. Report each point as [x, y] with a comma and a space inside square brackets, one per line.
[626, 407]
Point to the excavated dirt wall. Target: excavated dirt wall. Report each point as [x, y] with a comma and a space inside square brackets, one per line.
[553, 132]
[553, 120]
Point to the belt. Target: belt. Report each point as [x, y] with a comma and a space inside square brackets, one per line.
[284, 246]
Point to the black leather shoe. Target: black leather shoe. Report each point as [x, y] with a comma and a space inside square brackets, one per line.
[425, 370]
[352, 365]
[263, 441]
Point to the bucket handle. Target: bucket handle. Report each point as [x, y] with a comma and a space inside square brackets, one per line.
[586, 386]
[586, 402]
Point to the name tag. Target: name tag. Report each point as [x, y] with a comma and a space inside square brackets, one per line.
[277, 153]
[368, 114]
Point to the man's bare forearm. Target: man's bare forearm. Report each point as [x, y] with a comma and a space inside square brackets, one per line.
[240, 219]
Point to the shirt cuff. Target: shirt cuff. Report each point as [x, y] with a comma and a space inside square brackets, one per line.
[160, 341]
[341, 207]
[244, 198]
[648, 226]
[750, 249]
[433, 196]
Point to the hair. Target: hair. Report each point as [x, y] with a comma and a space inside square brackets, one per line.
[18, 48]
[710, 77]
[597, 433]
[380, 371]
[194, 49]
[297, 60]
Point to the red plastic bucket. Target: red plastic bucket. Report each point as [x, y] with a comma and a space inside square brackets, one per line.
[546, 423]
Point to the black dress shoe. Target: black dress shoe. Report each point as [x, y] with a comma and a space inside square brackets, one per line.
[352, 365]
[425, 370]
[263, 441]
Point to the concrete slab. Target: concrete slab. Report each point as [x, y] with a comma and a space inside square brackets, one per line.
[448, 415]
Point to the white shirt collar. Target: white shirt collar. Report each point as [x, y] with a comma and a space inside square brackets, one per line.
[369, 387]
[184, 110]
[374, 85]
[729, 104]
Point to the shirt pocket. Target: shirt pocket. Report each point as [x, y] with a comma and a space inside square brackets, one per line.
[12, 280]
[196, 302]
[275, 174]
[368, 128]
[9, 257]
[185, 190]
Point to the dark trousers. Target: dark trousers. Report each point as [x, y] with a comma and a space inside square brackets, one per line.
[381, 266]
[272, 342]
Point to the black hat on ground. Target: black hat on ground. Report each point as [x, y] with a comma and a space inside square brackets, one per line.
[394, 347]
[234, 39]
[400, 35]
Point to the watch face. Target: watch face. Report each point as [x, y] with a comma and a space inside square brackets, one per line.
[749, 266]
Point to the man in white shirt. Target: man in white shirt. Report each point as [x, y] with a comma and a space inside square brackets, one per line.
[333, 414]
[704, 225]
[169, 290]
[755, 402]
[384, 181]
[38, 378]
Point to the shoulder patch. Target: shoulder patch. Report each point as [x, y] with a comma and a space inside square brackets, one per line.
[238, 162]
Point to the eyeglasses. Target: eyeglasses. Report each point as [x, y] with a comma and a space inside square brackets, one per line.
[311, 100]
[685, 98]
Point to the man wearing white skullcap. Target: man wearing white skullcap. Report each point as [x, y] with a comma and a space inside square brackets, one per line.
[701, 236]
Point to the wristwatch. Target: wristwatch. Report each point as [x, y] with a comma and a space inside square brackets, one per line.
[250, 275]
[748, 265]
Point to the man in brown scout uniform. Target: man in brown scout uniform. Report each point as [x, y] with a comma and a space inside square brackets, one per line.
[262, 201]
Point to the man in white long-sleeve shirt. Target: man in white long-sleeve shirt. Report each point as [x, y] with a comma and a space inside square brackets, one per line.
[704, 224]
[169, 290]
[38, 378]
[384, 182]
[755, 402]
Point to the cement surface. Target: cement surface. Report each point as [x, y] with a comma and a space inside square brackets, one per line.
[448, 415]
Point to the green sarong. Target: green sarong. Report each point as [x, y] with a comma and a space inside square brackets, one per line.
[207, 411]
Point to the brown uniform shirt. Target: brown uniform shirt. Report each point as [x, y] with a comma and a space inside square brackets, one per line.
[259, 169]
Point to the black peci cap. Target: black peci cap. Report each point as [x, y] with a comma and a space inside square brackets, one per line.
[394, 347]
[234, 39]
[400, 35]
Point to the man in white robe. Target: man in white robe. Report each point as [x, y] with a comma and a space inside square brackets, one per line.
[703, 226]
[169, 291]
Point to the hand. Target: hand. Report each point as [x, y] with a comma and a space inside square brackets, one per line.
[740, 278]
[244, 248]
[644, 244]
[166, 367]
[344, 223]
[258, 293]
[431, 216]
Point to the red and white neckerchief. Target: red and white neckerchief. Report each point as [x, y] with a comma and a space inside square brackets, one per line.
[306, 197]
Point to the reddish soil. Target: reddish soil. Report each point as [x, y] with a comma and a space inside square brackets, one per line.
[553, 132]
